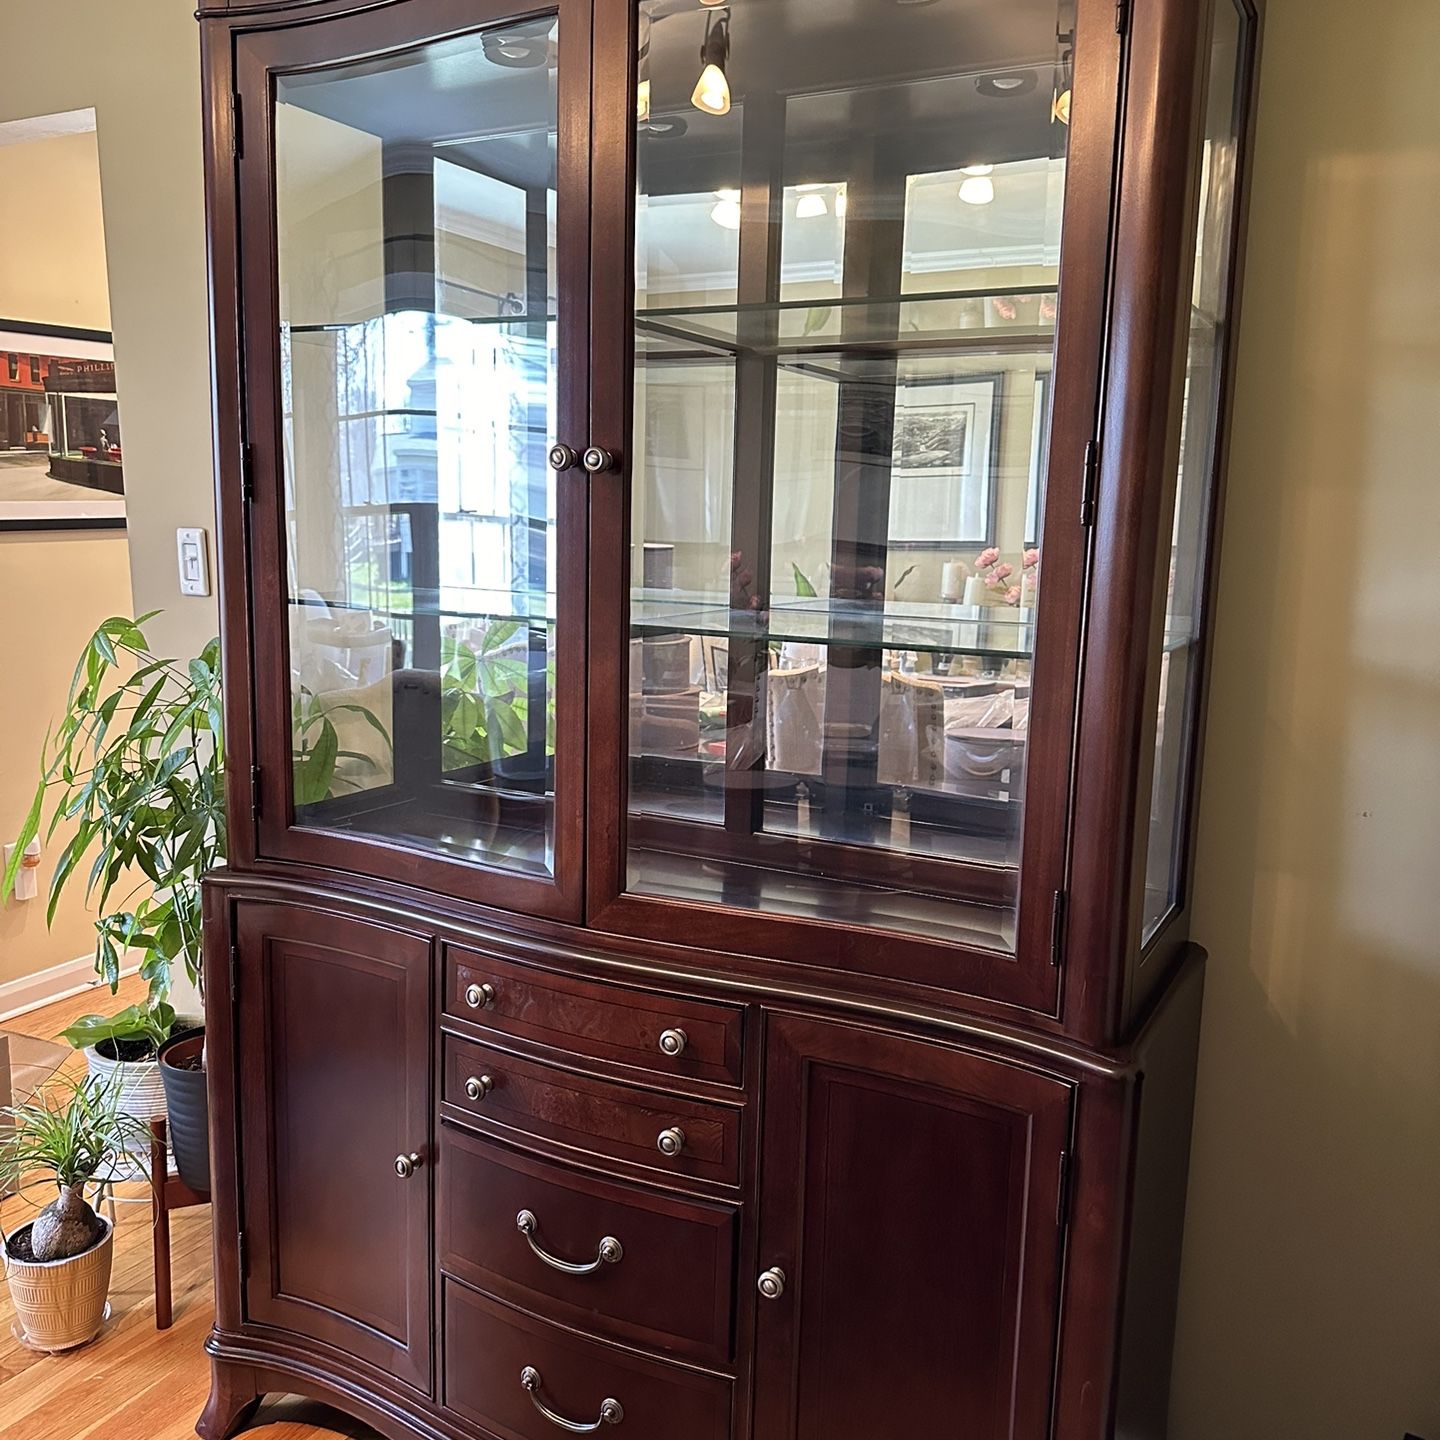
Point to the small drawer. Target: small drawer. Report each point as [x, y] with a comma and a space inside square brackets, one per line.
[644, 1268]
[501, 1367]
[697, 1038]
[517, 1097]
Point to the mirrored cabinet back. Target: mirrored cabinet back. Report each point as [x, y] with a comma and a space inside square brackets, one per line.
[718, 508]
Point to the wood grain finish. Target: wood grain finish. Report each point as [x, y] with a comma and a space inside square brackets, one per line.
[601, 1021]
[591, 1118]
[488, 1345]
[672, 1289]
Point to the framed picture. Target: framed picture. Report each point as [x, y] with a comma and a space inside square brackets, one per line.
[946, 451]
[61, 455]
[1039, 458]
[717, 665]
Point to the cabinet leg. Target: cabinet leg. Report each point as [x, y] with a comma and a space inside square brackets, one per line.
[233, 1398]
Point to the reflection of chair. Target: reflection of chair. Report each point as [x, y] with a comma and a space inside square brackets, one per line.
[332, 650]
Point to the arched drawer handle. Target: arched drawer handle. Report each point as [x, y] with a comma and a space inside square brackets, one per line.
[609, 1252]
[611, 1411]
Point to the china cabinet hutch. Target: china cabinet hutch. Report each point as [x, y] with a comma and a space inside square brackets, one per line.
[717, 502]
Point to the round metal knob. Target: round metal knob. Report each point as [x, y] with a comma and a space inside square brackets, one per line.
[563, 457]
[671, 1141]
[596, 460]
[771, 1284]
[673, 1043]
[407, 1165]
[477, 997]
[477, 1087]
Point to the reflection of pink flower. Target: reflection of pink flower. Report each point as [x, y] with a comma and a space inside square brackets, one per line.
[1005, 307]
[1032, 559]
[1047, 308]
[1012, 595]
[1004, 572]
[987, 557]
[991, 583]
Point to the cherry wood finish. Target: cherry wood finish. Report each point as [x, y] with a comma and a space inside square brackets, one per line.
[969, 1165]
[671, 1289]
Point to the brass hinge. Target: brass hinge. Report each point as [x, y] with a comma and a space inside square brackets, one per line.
[247, 471]
[237, 126]
[1057, 928]
[1091, 482]
[1064, 1188]
[1122, 16]
[254, 792]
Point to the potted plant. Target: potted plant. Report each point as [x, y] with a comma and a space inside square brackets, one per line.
[58, 1265]
[136, 768]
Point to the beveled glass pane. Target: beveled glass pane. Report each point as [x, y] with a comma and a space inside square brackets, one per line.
[415, 206]
[1190, 523]
[847, 260]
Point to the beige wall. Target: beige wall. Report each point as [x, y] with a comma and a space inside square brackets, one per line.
[1312, 1265]
[136, 65]
[52, 264]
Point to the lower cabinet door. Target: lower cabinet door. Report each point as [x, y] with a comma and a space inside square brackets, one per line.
[910, 1241]
[334, 1083]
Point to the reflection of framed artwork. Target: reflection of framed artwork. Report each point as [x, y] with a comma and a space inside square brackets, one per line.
[946, 452]
[1039, 458]
[60, 448]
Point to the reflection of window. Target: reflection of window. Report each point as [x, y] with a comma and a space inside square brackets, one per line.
[13, 364]
[34, 369]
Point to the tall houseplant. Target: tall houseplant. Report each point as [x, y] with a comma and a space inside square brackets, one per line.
[136, 769]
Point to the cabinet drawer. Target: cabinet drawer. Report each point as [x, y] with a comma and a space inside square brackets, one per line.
[489, 1348]
[666, 1281]
[630, 1027]
[599, 1117]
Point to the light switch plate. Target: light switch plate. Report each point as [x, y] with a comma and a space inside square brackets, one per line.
[193, 558]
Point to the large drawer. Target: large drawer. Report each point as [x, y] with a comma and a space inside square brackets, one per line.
[696, 1038]
[501, 1365]
[517, 1097]
[645, 1268]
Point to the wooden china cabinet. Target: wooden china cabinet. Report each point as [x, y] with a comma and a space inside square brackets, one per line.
[718, 505]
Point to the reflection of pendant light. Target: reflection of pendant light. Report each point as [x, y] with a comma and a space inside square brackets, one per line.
[977, 169]
[977, 190]
[642, 71]
[726, 211]
[1064, 79]
[809, 206]
[712, 89]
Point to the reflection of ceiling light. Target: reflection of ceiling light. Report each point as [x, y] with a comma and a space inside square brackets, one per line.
[811, 205]
[733, 196]
[1060, 110]
[976, 169]
[642, 101]
[978, 190]
[1006, 87]
[515, 51]
[726, 214]
[666, 127]
[712, 89]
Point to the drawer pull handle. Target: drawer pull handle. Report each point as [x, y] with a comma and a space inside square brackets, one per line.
[673, 1043]
[611, 1411]
[407, 1165]
[771, 1284]
[477, 1087]
[479, 997]
[609, 1252]
[670, 1142]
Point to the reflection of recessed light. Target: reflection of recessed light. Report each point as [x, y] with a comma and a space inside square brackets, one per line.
[1007, 87]
[726, 214]
[976, 169]
[977, 190]
[666, 128]
[811, 205]
[515, 52]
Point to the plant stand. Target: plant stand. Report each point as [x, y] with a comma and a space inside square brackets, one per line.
[169, 1193]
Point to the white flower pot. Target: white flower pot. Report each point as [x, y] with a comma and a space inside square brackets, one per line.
[141, 1096]
[60, 1304]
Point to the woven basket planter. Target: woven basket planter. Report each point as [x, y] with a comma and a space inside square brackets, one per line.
[60, 1304]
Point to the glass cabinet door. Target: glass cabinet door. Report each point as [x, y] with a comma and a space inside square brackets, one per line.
[847, 293]
[423, 650]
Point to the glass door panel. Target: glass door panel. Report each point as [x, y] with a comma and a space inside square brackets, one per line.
[846, 283]
[417, 280]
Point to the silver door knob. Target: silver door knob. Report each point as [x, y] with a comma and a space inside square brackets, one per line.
[477, 1087]
[407, 1165]
[596, 460]
[563, 457]
[478, 997]
[673, 1042]
[670, 1142]
[771, 1284]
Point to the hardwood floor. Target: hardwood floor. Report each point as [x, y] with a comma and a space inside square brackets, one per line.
[133, 1382]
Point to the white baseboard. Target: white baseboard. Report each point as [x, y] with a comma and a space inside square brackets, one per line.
[59, 982]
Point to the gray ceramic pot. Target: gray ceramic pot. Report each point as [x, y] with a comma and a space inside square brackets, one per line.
[188, 1105]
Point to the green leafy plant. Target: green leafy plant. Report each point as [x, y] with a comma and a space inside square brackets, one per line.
[315, 747]
[136, 768]
[803, 587]
[73, 1134]
[485, 699]
[151, 1023]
